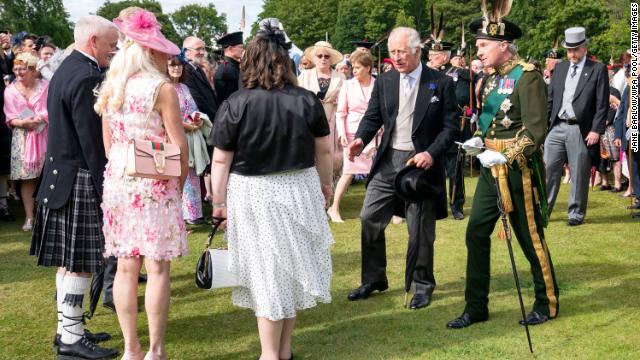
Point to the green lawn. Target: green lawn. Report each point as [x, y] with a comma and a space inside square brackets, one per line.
[596, 264]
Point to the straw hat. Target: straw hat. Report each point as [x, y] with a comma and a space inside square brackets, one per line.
[310, 52]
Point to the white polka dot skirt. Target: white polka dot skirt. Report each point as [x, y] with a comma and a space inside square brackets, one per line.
[279, 242]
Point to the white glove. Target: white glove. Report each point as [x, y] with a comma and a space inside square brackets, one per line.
[473, 146]
[474, 118]
[490, 158]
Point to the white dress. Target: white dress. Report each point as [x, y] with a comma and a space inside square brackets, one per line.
[279, 242]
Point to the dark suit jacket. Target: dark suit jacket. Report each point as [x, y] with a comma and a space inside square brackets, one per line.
[75, 131]
[620, 121]
[590, 101]
[5, 132]
[201, 91]
[435, 123]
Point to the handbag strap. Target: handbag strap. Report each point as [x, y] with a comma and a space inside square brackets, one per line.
[215, 224]
[153, 103]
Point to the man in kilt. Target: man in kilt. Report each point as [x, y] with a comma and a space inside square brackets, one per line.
[67, 232]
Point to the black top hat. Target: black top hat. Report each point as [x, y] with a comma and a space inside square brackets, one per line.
[365, 43]
[231, 39]
[414, 184]
[493, 26]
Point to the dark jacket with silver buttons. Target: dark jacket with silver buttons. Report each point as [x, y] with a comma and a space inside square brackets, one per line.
[75, 131]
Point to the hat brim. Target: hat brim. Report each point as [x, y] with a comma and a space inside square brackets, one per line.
[153, 40]
[407, 181]
[310, 54]
[567, 45]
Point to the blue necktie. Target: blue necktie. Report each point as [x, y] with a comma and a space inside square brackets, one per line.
[574, 70]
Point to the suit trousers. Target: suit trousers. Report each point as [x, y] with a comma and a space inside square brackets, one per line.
[565, 143]
[378, 208]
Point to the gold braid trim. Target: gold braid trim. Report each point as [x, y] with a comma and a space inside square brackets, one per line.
[515, 152]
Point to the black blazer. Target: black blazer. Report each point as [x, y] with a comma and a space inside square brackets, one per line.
[434, 122]
[590, 101]
[75, 131]
[201, 91]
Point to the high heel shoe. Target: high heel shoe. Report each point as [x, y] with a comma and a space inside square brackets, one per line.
[335, 217]
[150, 356]
[128, 355]
[28, 225]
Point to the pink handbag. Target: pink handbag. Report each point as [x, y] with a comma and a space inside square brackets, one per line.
[153, 159]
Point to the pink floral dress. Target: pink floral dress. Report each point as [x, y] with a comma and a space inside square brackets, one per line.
[142, 217]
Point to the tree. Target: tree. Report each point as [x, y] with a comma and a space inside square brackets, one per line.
[349, 25]
[201, 21]
[403, 19]
[40, 17]
[110, 10]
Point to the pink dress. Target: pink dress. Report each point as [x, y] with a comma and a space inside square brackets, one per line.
[28, 147]
[142, 217]
[352, 104]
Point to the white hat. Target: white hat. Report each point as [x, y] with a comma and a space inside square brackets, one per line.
[574, 37]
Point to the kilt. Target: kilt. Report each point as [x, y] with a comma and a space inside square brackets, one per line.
[71, 236]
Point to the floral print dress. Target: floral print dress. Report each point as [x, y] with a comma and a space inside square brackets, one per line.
[142, 217]
[191, 195]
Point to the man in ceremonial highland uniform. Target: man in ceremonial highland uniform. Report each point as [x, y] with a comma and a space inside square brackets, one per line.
[514, 124]
[439, 59]
[227, 80]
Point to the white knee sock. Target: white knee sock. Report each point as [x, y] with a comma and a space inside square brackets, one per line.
[59, 299]
[75, 289]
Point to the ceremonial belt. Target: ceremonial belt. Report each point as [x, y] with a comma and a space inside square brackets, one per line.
[501, 172]
[492, 102]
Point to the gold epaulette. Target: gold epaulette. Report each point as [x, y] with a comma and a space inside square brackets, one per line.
[526, 66]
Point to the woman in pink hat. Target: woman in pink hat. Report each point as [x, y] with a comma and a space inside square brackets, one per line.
[142, 217]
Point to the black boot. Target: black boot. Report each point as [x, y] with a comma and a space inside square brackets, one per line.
[84, 349]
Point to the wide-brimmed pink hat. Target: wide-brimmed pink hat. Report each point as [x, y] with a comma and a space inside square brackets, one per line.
[143, 28]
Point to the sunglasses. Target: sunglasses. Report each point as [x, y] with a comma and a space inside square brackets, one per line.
[325, 56]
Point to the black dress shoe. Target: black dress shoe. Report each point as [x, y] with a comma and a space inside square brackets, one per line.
[85, 349]
[142, 278]
[6, 215]
[97, 337]
[463, 321]
[605, 187]
[419, 301]
[109, 305]
[574, 222]
[457, 214]
[365, 290]
[535, 318]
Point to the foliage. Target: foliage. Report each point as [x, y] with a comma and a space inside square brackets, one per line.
[40, 17]
[199, 20]
[403, 19]
[110, 10]
[542, 21]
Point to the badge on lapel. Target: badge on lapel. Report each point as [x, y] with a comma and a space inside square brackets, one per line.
[432, 86]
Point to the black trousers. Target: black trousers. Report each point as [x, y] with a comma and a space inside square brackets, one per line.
[458, 192]
[378, 208]
[109, 275]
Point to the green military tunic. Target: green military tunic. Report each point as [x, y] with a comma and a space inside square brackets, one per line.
[521, 125]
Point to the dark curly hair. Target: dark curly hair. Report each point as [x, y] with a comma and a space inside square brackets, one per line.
[266, 63]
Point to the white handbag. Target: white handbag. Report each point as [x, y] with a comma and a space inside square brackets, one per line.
[212, 269]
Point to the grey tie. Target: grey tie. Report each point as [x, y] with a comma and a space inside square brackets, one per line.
[574, 70]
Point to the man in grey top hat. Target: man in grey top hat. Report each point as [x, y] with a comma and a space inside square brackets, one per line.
[578, 105]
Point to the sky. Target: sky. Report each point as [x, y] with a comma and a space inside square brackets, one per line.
[232, 8]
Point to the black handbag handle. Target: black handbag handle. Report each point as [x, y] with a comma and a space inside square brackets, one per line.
[215, 224]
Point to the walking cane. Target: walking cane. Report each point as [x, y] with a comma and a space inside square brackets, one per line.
[507, 231]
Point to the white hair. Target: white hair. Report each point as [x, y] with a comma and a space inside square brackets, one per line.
[413, 37]
[128, 61]
[88, 26]
[190, 39]
[512, 48]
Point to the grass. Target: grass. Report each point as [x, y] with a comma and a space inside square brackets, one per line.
[596, 264]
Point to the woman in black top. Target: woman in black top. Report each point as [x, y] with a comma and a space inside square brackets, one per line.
[271, 180]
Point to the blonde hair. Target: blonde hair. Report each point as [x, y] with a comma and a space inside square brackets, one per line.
[27, 59]
[128, 61]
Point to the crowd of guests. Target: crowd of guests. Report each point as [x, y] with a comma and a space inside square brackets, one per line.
[271, 179]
